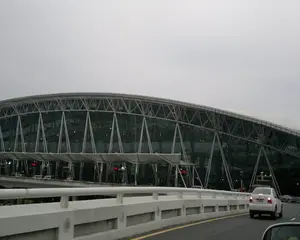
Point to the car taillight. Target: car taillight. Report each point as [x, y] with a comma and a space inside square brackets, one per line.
[250, 199]
[269, 200]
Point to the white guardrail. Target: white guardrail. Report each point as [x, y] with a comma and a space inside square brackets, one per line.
[111, 218]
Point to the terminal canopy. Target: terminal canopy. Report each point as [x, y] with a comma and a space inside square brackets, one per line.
[140, 158]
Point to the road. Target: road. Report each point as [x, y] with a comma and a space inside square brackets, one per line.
[241, 227]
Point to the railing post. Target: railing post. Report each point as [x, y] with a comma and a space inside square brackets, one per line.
[157, 214]
[226, 198]
[66, 227]
[180, 195]
[183, 210]
[155, 196]
[199, 194]
[238, 202]
[122, 219]
[213, 195]
[64, 201]
[120, 198]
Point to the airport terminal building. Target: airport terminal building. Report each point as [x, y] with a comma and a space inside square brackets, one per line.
[119, 138]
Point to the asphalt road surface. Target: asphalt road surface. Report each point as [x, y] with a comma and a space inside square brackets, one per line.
[241, 227]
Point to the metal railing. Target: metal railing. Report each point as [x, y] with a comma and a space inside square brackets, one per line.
[119, 192]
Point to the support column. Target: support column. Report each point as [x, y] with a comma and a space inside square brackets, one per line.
[81, 170]
[42, 167]
[176, 176]
[177, 129]
[71, 170]
[101, 173]
[226, 168]
[276, 186]
[169, 174]
[208, 169]
[57, 163]
[255, 168]
[136, 174]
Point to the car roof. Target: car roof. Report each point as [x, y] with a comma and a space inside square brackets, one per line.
[262, 188]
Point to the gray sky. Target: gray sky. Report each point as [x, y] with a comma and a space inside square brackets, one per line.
[242, 56]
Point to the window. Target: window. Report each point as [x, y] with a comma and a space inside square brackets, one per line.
[265, 191]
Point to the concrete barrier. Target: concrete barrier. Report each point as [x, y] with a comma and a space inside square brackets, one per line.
[111, 218]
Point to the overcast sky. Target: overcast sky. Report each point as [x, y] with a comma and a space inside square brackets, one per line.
[238, 55]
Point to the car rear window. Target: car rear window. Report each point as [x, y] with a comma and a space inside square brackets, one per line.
[264, 191]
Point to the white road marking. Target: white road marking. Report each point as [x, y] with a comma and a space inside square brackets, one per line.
[293, 219]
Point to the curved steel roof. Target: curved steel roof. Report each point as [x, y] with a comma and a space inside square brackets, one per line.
[9, 102]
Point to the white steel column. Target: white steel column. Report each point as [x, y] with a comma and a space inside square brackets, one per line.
[19, 131]
[64, 129]
[2, 146]
[272, 172]
[185, 156]
[57, 163]
[118, 134]
[145, 128]
[110, 148]
[121, 150]
[115, 125]
[197, 176]
[176, 176]
[174, 140]
[81, 170]
[40, 129]
[2, 149]
[225, 165]
[208, 169]
[182, 179]
[139, 151]
[255, 168]
[170, 167]
[177, 129]
[88, 127]
[150, 147]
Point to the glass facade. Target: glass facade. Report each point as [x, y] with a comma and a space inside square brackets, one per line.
[77, 126]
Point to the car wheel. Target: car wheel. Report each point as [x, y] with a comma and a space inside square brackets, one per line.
[251, 214]
[274, 214]
[281, 212]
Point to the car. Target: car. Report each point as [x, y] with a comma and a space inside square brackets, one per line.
[264, 200]
[279, 231]
[286, 198]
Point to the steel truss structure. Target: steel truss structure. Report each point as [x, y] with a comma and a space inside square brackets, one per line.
[264, 134]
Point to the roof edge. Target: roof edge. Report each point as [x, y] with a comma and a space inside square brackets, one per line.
[8, 102]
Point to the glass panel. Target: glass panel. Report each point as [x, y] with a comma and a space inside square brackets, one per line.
[264, 191]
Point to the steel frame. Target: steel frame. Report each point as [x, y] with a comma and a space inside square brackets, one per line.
[203, 118]
[200, 117]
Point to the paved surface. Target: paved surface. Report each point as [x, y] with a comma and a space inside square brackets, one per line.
[242, 227]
